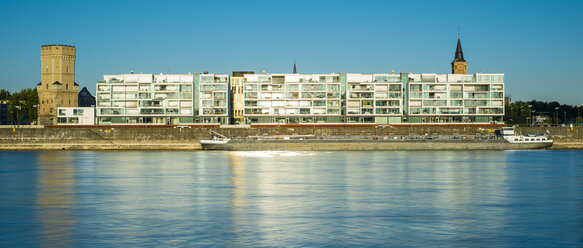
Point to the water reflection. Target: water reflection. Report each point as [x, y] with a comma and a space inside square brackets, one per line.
[447, 198]
[360, 192]
[56, 198]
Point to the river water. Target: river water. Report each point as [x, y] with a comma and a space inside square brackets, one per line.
[291, 199]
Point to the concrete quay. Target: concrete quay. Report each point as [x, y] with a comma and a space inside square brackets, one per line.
[157, 138]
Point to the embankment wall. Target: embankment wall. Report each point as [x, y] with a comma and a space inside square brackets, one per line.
[188, 138]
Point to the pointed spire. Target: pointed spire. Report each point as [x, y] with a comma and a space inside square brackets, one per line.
[295, 71]
[459, 54]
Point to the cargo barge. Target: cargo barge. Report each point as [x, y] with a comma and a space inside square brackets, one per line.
[505, 139]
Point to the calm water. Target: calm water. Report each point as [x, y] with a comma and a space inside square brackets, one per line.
[291, 199]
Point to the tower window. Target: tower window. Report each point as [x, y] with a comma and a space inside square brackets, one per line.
[47, 68]
[67, 85]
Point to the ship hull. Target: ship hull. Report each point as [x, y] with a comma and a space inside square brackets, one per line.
[371, 145]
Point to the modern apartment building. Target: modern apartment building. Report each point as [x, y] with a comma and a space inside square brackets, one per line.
[301, 98]
[211, 98]
[455, 98]
[373, 98]
[145, 99]
[292, 98]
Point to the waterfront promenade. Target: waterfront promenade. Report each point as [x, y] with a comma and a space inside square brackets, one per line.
[159, 138]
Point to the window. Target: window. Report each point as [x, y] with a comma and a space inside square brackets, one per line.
[51, 110]
[47, 68]
[77, 112]
[62, 112]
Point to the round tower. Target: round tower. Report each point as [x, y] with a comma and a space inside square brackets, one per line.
[57, 87]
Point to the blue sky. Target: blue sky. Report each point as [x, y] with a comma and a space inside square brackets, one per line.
[537, 44]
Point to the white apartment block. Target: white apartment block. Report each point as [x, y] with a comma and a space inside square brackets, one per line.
[145, 99]
[458, 98]
[157, 99]
[76, 116]
[212, 95]
[373, 98]
[149, 99]
[292, 98]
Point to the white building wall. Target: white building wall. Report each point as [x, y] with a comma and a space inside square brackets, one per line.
[76, 116]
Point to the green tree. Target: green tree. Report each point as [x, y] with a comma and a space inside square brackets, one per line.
[4, 94]
[521, 112]
[23, 106]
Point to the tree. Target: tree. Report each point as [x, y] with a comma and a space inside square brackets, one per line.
[520, 112]
[4, 94]
[22, 106]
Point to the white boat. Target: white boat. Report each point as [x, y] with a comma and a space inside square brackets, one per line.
[511, 137]
[218, 139]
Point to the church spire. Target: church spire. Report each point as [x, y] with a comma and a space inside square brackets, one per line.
[459, 54]
[459, 64]
[295, 71]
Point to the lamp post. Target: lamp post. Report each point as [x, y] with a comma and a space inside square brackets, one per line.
[565, 121]
[519, 117]
[556, 116]
[17, 115]
[532, 118]
[35, 113]
[530, 114]
[577, 120]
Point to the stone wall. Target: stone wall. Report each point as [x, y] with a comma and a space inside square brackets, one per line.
[188, 138]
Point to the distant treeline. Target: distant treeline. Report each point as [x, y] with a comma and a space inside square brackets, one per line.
[553, 113]
[22, 105]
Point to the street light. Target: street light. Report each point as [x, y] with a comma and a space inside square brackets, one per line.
[35, 113]
[556, 116]
[17, 115]
[532, 119]
[565, 121]
[529, 110]
[577, 121]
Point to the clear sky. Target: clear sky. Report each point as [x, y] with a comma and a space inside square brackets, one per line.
[537, 44]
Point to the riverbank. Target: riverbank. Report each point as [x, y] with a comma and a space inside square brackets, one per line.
[132, 138]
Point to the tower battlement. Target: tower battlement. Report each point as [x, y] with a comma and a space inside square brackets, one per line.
[57, 49]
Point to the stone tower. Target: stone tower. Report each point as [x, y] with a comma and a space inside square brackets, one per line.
[459, 65]
[57, 87]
